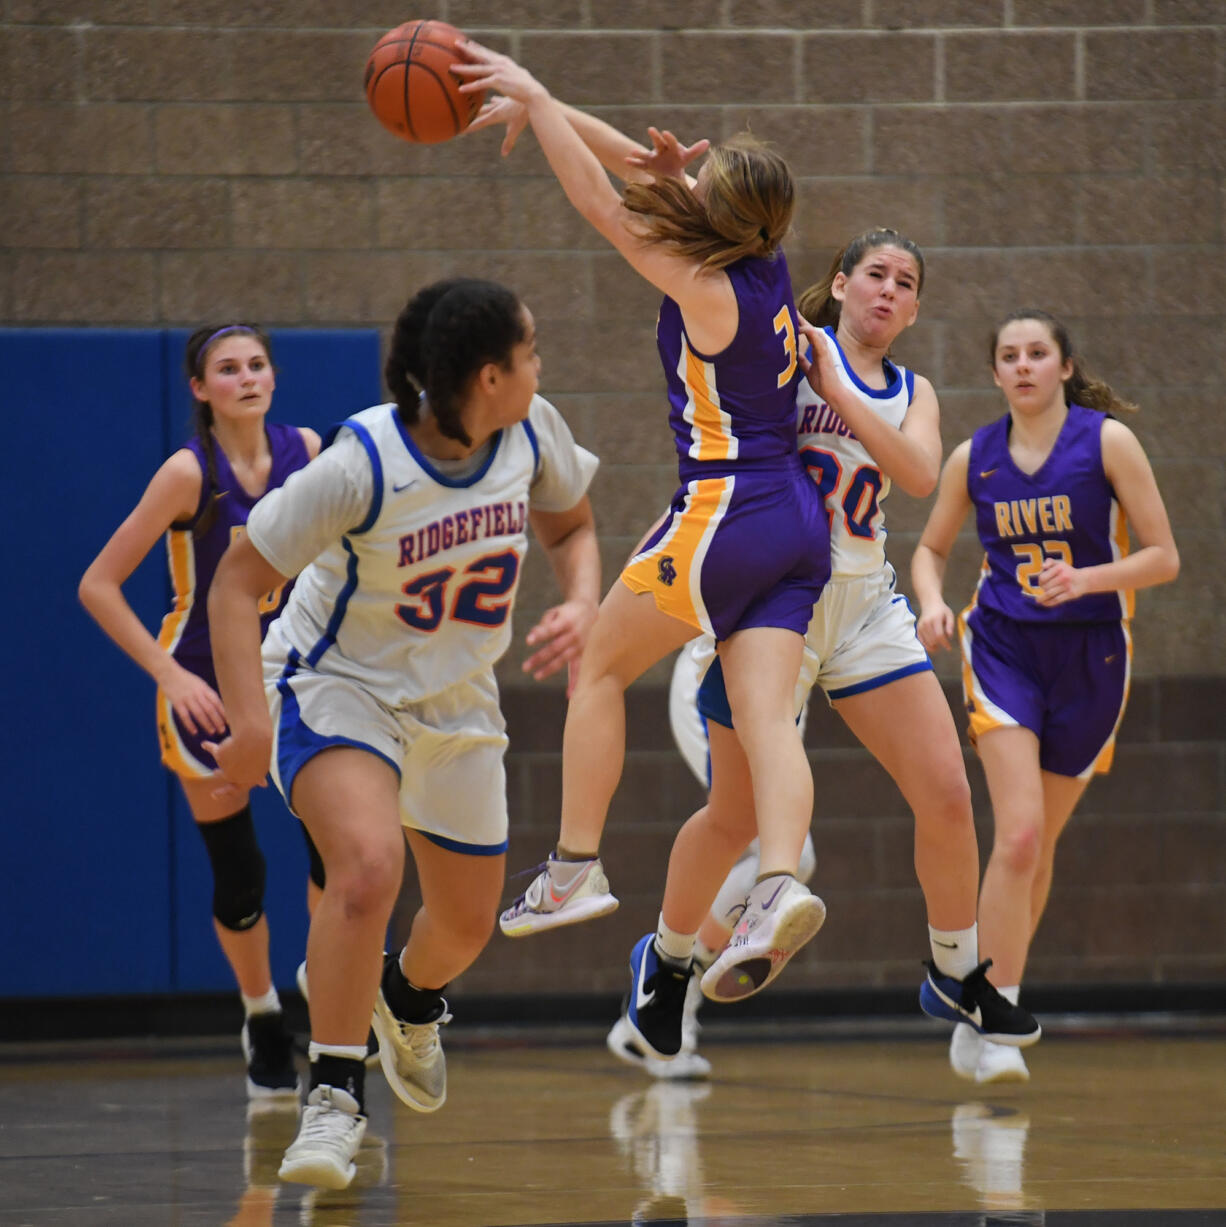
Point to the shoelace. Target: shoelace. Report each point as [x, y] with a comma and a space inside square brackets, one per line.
[317, 1126]
[521, 903]
[422, 1038]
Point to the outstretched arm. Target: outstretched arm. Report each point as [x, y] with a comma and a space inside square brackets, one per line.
[705, 299]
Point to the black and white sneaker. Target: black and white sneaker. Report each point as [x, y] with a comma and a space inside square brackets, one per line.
[974, 1000]
[655, 1007]
[268, 1049]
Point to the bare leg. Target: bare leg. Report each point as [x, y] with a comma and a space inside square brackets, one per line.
[247, 950]
[710, 842]
[456, 919]
[349, 800]
[909, 729]
[1011, 763]
[760, 666]
[630, 635]
[1060, 796]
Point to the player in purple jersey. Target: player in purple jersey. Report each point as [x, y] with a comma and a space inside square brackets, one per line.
[199, 500]
[864, 424]
[1046, 648]
[743, 551]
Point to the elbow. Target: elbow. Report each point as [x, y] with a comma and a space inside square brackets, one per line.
[86, 591]
[921, 483]
[1172, 564]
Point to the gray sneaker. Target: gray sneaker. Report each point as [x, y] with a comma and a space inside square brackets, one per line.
[328, 1138]
[412, 1056]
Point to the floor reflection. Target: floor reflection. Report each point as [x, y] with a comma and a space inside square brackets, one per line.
[990, 1147]
[656, 1131]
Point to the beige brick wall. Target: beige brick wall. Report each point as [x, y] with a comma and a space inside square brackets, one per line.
[1065, 153]
[161, 163]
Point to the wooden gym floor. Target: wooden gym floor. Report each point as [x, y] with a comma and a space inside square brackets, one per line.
[1117, 1127]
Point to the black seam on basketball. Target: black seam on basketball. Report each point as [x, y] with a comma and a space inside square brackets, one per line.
[455, 118]
[408, 63]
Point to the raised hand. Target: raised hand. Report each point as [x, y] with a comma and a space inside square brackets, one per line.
[499, 110]
[483, 69]
[668, 157]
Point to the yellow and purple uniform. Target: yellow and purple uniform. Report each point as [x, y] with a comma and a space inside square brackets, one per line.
[745, 541]
[1061, 671]
[193, 559]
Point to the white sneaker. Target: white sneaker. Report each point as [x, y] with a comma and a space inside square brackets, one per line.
[965, 1045]
[546, 905]
[328, 1138]
[780, 915]
[1001, 1063]
[412, 1057]
[687, 1065]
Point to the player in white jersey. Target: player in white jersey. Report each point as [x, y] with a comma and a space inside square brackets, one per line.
[379, 707]
[866, 422]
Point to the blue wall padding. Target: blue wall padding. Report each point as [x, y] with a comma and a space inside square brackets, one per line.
[104, 885]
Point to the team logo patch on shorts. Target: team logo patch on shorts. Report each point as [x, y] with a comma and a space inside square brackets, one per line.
[668, 572]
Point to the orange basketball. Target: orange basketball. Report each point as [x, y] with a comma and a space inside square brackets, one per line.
[410, 86]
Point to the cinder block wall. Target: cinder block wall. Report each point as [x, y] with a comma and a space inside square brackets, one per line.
[162, 164]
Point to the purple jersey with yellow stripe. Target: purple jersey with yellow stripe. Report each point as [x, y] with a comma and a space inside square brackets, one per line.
[738, 406]
[193, 559]
[1066, 510]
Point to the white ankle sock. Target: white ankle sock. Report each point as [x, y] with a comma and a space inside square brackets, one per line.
[1011, 993]
[955, 951]
[675, 947]
[268, 1003]
[704, 956]
[350, 1052]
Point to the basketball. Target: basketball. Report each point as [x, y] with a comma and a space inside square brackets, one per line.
[410, 87]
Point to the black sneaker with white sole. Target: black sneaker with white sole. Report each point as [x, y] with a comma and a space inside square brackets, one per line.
[975, 1001]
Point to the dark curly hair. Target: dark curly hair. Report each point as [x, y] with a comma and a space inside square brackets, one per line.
[446, 333]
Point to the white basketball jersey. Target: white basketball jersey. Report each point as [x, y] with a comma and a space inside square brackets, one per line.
[406, 577]
[850, 481]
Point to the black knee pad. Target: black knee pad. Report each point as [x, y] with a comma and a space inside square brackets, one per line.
[238, 870]
[317, 861]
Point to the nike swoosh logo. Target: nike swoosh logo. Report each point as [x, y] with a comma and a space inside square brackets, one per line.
[987, 472]
[396, 489]
[555, 898]
[641, 998]
[945, 945]
[767, 904]
[1108, 660]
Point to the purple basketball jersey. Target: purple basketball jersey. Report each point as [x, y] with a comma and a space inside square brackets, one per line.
[193, 559]
[740, 405]
[1066, 511]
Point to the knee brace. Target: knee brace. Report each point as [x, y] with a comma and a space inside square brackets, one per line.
[238, 870]
[316, 861]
